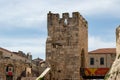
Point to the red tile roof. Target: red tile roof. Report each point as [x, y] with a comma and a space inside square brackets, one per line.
[104, 50]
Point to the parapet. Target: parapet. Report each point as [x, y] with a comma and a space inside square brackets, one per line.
[76, 14]
[52, 15]
[54, 18]
[66, 15]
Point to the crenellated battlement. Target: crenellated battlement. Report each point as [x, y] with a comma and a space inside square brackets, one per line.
[56, 23]
[66, 15]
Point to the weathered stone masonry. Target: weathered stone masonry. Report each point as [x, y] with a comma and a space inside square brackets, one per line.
[66, 45]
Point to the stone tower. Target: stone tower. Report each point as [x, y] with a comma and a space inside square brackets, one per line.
[114, 73]
[118, 42]
[66, 45]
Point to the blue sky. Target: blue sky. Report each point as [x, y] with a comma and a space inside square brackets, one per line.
[23, 23]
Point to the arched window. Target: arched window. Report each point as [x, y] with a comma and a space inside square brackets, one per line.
[9, 68]
[82, 58]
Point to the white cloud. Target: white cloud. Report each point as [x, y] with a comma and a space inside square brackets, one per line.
[36, 51]
[30, 12]
[35, 46]
[92, 7]
[25, 13]
[23, 41]
[97, 42]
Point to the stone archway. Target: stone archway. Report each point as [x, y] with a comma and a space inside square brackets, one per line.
[82, 58]
[9, 72]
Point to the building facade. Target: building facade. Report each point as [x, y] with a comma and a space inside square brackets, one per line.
[16, 65]
[66, 45]
[12, 69]
[99, 63]
[101, 58]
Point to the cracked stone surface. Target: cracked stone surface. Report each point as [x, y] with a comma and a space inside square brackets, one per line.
[114, 73]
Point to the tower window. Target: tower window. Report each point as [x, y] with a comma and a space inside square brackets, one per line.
[65, 21]
[91, 61]
[54, 46]
[101, 61]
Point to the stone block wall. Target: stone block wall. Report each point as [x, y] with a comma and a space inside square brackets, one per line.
[18, 68]
[66, 45]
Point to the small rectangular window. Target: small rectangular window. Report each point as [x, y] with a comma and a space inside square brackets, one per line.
[101, 61]
[91, 61]
[54, 46]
